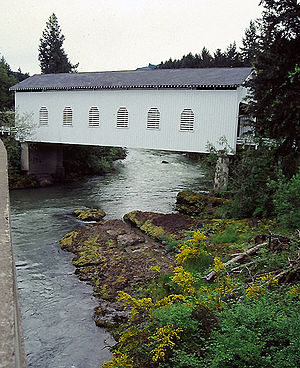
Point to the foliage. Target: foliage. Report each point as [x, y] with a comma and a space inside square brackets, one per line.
[251, 171]
[22, 126]
[92, 160]
[287, 200]
[52, 56]
[261, 334]
[275, 86]
[250, 44]
[7, 79]
[229, 58]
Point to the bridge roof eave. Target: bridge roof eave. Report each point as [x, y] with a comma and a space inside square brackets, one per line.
[167, 86]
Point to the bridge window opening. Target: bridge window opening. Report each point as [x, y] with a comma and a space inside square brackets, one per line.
[94, 118]
[43, 116]
[244, 123]
[153, 118]
[187, 120]
[67, 116]
[122, 118]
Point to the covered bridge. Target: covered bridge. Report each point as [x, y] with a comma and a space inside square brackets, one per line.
[165, 109]
[169, 109]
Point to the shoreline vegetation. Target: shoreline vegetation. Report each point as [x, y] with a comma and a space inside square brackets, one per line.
[189, 291]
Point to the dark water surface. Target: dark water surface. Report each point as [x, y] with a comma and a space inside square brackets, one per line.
[57, 308]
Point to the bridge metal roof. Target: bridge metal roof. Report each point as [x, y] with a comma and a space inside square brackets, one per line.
[158, 78]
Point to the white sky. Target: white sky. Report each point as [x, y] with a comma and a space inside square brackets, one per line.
[122, 34]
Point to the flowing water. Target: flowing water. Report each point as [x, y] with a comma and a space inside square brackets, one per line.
[57, 309]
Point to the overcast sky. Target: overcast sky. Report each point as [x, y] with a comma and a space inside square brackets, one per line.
[122, 34]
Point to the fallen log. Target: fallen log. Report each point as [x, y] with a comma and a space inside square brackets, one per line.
[238, 258]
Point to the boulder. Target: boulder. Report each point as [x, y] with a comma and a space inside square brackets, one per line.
[201, 204]
[92, 214]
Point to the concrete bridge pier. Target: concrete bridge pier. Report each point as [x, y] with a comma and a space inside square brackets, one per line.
[43, 160]
[222, 172]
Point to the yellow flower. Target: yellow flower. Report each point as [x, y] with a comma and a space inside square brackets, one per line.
[269, 279]
[155, 268]
[169, 300]
[119, 361]
[254, 291]
[165, 337]
[294, 291]
[138, 306]
[198, 237]
[218, 265]
[184, 279]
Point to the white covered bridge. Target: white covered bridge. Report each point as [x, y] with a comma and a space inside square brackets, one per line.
[166, 109]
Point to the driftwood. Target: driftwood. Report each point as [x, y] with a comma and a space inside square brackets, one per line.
[238, 258]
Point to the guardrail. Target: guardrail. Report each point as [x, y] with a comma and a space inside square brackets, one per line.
[7, 130]
[11, 336]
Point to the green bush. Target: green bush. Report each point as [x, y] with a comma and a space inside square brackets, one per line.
[254, 335]
[90, 160]
[287, 201]
[251, 171]
[179, 315]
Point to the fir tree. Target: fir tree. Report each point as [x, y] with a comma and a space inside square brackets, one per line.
[250, 44]
[275, 86]
[232, 56]
[52, 56]
[7, 79]
[206, 58]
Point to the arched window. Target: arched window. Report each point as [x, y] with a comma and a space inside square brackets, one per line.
[94, 119]
[67, 116]
[122, 118]
[43, 116]
[187, 120]
[153, 118]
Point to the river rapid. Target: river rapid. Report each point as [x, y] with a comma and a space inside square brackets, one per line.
[57, 308]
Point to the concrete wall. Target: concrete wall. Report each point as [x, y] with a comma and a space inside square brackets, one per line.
[43, 158]
[11, 337]
[216, 115]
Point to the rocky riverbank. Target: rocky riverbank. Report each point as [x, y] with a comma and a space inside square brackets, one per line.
[129, 255]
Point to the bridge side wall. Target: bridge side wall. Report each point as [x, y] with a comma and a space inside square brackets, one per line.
[11, 337]
[216, 115]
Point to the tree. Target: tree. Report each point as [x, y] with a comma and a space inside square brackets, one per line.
[7, 79]
[52, 56]
[250, 44]
[232, 56]
[275, 87]
[219, 58]
[205, 58]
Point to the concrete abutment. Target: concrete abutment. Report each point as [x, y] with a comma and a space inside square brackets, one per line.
[43, 160]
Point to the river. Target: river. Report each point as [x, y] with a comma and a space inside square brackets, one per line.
[57, 308]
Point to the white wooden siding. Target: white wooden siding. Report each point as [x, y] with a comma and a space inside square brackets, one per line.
[215, 112]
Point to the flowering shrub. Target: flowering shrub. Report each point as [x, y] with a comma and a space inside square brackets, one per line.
[184, 279]
[192, 248]
[163, 338]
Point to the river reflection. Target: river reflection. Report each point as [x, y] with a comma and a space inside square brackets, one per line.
[57, 308]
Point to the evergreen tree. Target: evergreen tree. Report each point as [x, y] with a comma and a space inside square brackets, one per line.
[52, 56]
[219, 59]
[250, 44]
[275, 86]
[7, 79]
[206, 59]
[232, 56]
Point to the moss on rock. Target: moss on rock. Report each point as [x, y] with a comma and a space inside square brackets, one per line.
[92, 214]
[201, 205]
